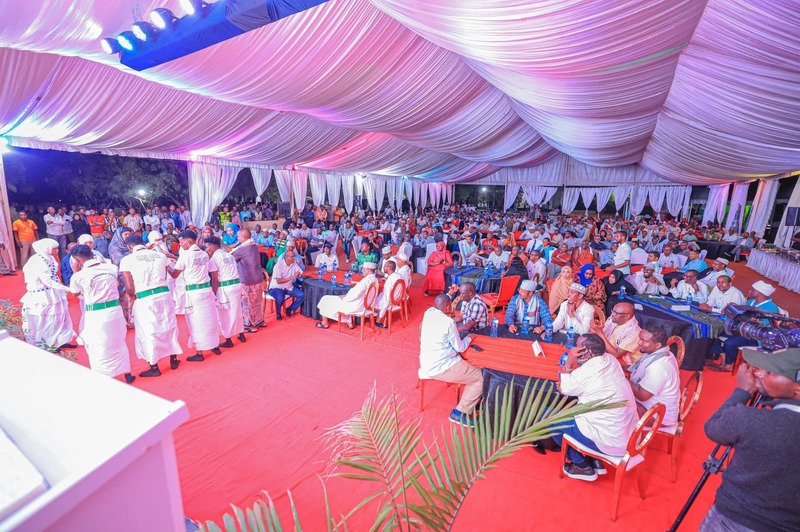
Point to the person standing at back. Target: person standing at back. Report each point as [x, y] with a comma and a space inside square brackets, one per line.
[228, 291]
[248, 261]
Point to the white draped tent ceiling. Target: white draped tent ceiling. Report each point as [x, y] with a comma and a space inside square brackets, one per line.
[669, 91]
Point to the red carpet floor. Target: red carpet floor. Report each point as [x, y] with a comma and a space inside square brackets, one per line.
[259, 411]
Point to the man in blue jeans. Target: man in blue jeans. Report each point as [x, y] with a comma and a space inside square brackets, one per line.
[591, 374]
[281, 285]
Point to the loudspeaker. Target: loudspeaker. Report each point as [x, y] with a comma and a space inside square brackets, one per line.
[793, 216]
[284, 209]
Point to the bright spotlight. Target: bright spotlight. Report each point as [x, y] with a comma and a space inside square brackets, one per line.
[126, 40]
[162, 18]
[142, 192]
[144, 31]
[192, 6]
[484, 189]
[109, 46]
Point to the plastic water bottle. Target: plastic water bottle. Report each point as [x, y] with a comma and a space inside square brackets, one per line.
[495, 326]
[622, 292]
[548, 334]
[320, 272]
[526, 328]
[689, 298]
[563, 361]
[571, 337]
[333, 280]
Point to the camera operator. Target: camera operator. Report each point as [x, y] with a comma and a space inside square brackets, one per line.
[759, 488]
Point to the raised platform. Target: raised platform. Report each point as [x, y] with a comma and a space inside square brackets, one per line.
[782, 270]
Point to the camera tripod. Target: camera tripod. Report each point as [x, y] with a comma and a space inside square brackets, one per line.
[711, 466]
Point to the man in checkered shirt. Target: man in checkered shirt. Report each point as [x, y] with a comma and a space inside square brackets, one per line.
[474, 312]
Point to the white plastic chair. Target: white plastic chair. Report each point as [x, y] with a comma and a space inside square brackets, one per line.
[422, 262]
[638, 256]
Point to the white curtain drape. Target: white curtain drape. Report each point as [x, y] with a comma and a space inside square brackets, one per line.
[620, 197]
[638, 200]
[423, 189]
[380, 192]
[536, 195]
[512, 190]
[390, 191]
[657, 195]
[300, 188]
[283, 178]
[410, 193]
[763, 205]
[603, 194]
[399, 193]
[317, 183]
[261, 179]
[417, 192]
[5, 221]
[738, 201]
[716, 203]
[208, 186]
[369, 184]
[450, 189]
[334, 187]
[587, 194]
[783, 238]
[570, 200]
[348, 188]
[675, 197]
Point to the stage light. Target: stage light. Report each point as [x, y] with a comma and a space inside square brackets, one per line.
[484, 189]
[142, 192]
[4, 144]
[144, 31]
[192, 6]
[126, 40]
[162, 18]
[109, 46]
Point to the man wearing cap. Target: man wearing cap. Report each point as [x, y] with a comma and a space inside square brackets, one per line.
[200, 304]
[620, 333]
[327, 259]
[722, 295]
[145, 275]
[401, 260]
[102, 331]
[645, 281]
[527, 304]
[384, 299]
[386, 255]
[228, 292]
[719, 267]
[575, 312]
[760, 296]
[759, 486]
[350, 303]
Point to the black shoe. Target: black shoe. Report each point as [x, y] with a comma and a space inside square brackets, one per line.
[278, 317]
[598, 466]
[218, 351]
[538, 447]
[250, 330]
[289, 313]
[550, 444]
[242, 338]
[198, 357]
[174, 362]
[380, 325]
[10, 273]
[68, 346]
[226, 343]
[129, 378]
[584, 472]
[152, 372]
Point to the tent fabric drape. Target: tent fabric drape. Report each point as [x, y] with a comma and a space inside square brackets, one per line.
[603, 194]
[334, 188]
[423, 188]
[390, 191]
[620, 197]
[783, 238]
[570, 201]
[399, 193]
[512, 190]
[283, 178]
[369, 184]
[674, 198]
[317, 183]
[736, 210]
[763, 204]
[208, 186]
[717, 201]
[638, 200]
[348, 189]
[300, 188]
[380, 192]
[535, 195]
[261, 179]
[587, 194]
[410, 193]
[656, 195]
[5, 221]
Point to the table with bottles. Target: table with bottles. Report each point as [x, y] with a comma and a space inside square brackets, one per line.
[486, 280]
[318, 284]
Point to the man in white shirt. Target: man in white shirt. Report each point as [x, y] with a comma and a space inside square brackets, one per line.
[351, 303]
[104, 327]
[145, 275]
[646, 281]
[718, 267]
[384, 300]
[731, 237]
[620, 333]
[534, 243]
[537, 268]
[55, 229]
[655, 377]
[599, 378]
[151, 219]
[134, 221]
[689, 286]
[498, 258]
[401, 259]
[575, 312]
[228, 291]
[200, 304]
[722, 295]
[327, 259]
[439, 346]
[386, 254]
[282, 284]
[622, 256]
[668, 259]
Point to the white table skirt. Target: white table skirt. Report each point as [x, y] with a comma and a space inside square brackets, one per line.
[785, 272]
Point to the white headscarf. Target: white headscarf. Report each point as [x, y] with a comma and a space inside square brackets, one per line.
[45, 247]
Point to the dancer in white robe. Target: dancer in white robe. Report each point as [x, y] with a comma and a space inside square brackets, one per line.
[45, 310]
[229, 292]
[350, 303]
[200, 306]
[103, 328]
[86, 240]
[145, 274]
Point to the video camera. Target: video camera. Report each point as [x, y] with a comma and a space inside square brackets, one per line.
[744, 321]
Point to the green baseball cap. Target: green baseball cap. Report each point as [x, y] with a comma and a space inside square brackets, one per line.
[786, 363]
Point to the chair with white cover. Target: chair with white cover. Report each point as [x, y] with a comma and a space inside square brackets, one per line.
[364, 315]
[631, 460]
[682, 259]
[396, 303]
[638, 256]
[703, 253]
[422, 262]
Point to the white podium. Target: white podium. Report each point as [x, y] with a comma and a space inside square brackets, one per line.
[105, 448]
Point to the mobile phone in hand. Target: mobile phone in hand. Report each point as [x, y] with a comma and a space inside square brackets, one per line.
[476, 347]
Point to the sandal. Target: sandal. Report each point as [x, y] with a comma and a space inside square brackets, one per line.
[718, 368]
[350, 326]
[319, 325]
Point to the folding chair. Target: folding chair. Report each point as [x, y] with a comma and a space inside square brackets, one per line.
[366, 314]
[508, 287]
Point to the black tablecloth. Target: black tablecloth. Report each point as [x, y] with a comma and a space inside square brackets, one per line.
[485, 286]
[714, 248]
[314, 290]
[696, 348]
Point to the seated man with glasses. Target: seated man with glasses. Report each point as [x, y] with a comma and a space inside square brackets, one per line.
[620, 333]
